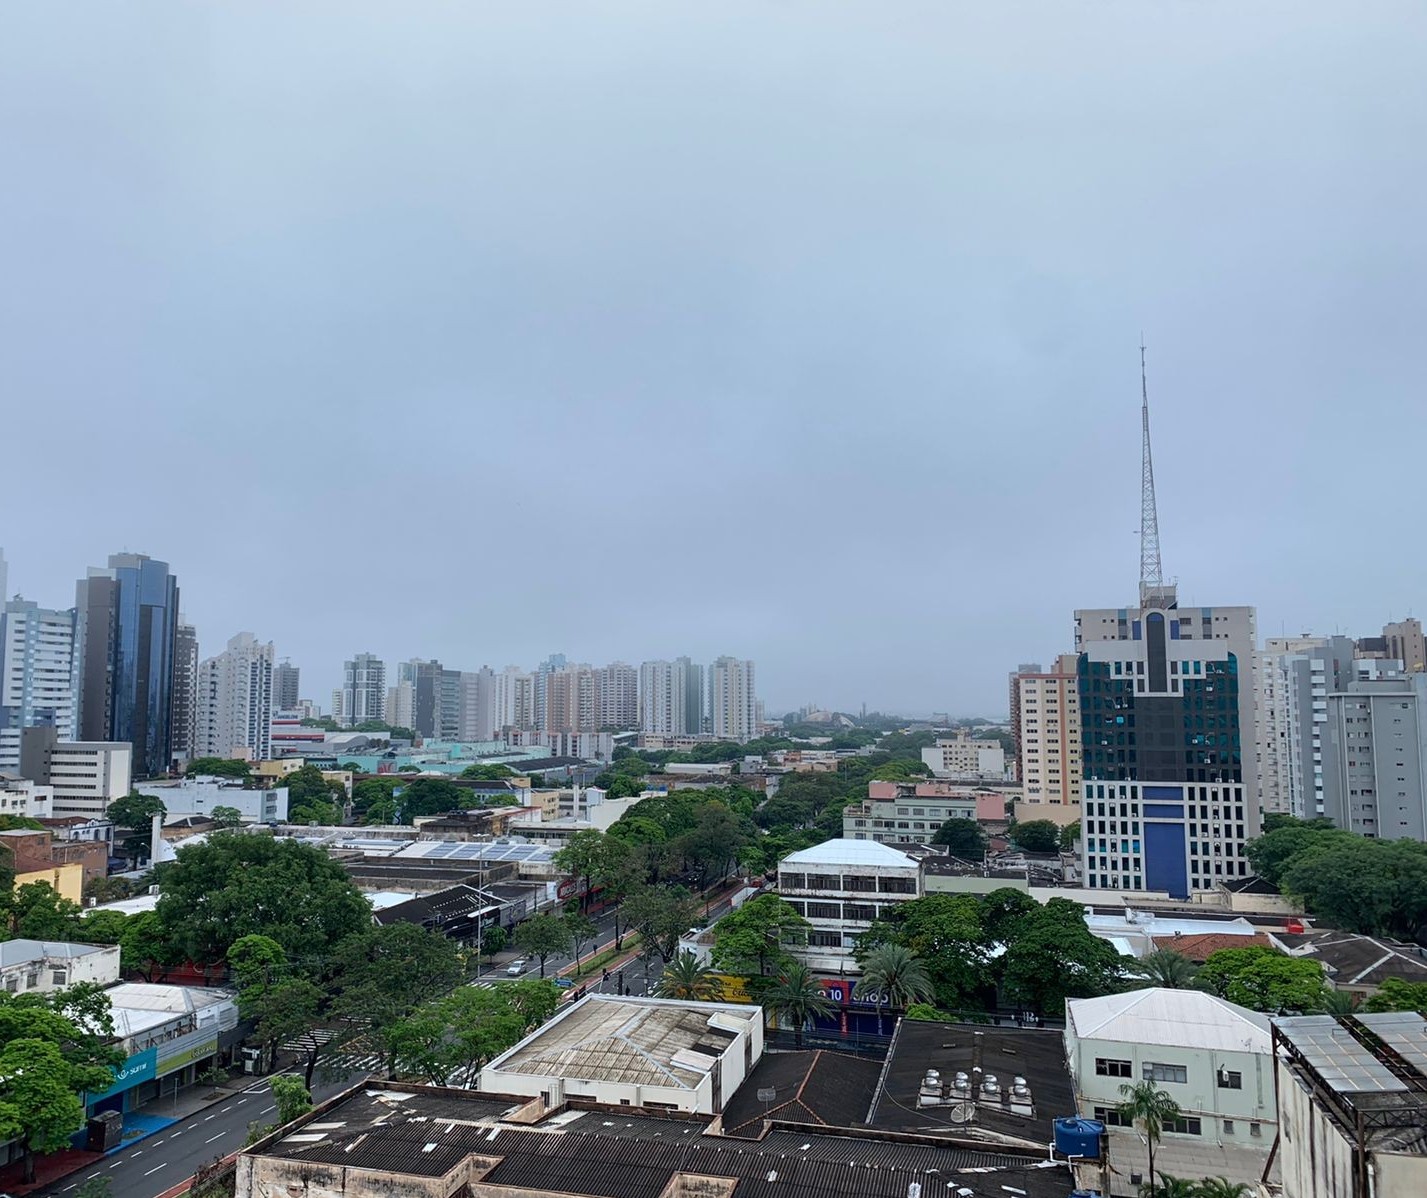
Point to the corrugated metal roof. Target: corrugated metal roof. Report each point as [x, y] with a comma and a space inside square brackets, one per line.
[1178, 1018]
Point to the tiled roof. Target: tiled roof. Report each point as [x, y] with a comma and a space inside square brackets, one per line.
[1199, 947]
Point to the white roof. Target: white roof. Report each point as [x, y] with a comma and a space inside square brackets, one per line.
[382, 899]
[18, 952]
[1177, 1018]
[849, 852]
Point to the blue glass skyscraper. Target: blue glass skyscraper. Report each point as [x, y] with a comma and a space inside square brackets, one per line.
[126, 620]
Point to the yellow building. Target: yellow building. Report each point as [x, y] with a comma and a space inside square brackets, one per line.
[66, 880]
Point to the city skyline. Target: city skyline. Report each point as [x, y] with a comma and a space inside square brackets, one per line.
[881, 342]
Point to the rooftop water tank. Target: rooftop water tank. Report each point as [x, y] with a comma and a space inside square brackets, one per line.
[1079, 1137]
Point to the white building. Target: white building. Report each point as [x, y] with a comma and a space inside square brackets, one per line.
[24, 799]
[478, 706]
[44, 966]
[616, 696]
[841, 887]
[362, 695]
[1212, 1057]
[235, 701]
[963, 758]
[1352, 1105]
[649, 1052]
[733, 699]
[85, 776]
[36, 674]
[199, 796]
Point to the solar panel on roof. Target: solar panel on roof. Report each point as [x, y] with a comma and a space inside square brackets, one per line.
[1405, 1032]
[1346, 1065]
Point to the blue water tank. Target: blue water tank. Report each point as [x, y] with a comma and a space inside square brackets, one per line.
[1084, 1194]
[1079, 1137]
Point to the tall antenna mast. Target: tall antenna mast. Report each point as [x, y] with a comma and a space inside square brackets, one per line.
[1151, 572]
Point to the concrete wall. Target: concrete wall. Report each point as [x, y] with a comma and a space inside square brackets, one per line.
[1316, 1157]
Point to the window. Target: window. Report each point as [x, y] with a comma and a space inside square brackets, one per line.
[58, 977]
[1105, 1067]
[1228, 1127]
[1165, 1073]
[1256, 1130]
[1110, 1116]
[1230, 1079]
[1185, 1125]
[824, 911]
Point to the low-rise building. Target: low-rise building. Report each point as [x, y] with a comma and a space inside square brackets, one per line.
[36, 856]
[1212, 1057]
[841, 887]
[1352, 1103]
[44, 966]
[23, 799]
[199, 796]
[642, 1052]
[913, 812]
[85, 776]
[1354, 963]
[965, 758]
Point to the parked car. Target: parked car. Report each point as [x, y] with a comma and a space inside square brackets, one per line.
[516, 968]
[563, 983]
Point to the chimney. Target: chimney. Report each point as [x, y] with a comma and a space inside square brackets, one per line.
[155, 839]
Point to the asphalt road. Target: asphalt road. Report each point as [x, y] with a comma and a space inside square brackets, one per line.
[161, 1161]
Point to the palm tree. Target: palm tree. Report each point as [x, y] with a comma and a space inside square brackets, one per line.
[897, 977]
[1146, 1104]
[688, 978]
[1337, 1002]
[1220, 1187]
[797, 998]
[1167, 968]
[1172, 1187]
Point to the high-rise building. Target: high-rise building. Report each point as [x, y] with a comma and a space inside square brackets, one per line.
[733, 703]
[539, 699]
[1167, 706]
[1295, 676]
[1405, 643]
[425, 679]
[401, 704]
[36, 674]
[671, 698]
[514, 700]
[449, 698]
[126, 622]
[1374, 749]
[617, 696]
[1045, 721]
[363, 693]
[235, 707]
[690, 676]
[478, 705]
[184, 716]
[286, 679]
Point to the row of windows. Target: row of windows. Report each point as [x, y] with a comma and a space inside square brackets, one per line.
[1159, 1071]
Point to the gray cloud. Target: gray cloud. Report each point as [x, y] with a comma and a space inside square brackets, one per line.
[800, 331]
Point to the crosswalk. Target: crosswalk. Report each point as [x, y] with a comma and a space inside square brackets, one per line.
[356, 1058]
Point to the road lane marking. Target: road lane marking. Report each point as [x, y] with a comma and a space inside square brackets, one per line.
[208, 1117]
[226, 1109]
[70, 1187]
[219, 1136]
[137, 1152]
[241, 1101]
[156, 1168]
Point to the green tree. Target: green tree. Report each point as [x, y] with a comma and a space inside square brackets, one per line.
[493, 940]
[1337, 1002]
[103, 927]
[945, 932]
[796, 999]
[542, 936]
[896, 977]
[1051, 956]
[1165, 967]
[689, 979]
[581, 932]
[1151, 1108]
[107, 890]
[135, 813]
[38, 912]
[1284, 838]
[580, 858]
[432, 796]
[487, 773]
[1397, 995]
[234, 885]
[146, 948]
[226, 817]
[753, 939]
[446, 1042]
[1263, 980]
[1170, 1186]
[535, 999]
[661, 915]
[218, 767]
[311, 798]
[1036, 836]
[39, 1105]
[1069, 835]
[713, 844]
[1376, 887]
[291, 1097]
[963, 838]
[1220, 1187]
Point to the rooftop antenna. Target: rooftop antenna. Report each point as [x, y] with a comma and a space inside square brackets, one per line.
[1151, 572]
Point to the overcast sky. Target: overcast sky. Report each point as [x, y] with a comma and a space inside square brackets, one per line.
[802, 331]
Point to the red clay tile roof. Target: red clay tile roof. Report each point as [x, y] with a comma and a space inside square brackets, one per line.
[1199, 947]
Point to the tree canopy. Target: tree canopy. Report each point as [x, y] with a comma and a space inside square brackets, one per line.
[218, 767]
[963, 838]
[1036, 836]
[754, 939]
[1263, 980]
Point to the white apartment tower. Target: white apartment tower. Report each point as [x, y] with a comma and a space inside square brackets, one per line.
[513, 700]
[733, 703]
[36, 681]
[616, 696]
[235, 701]
[363, 693]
